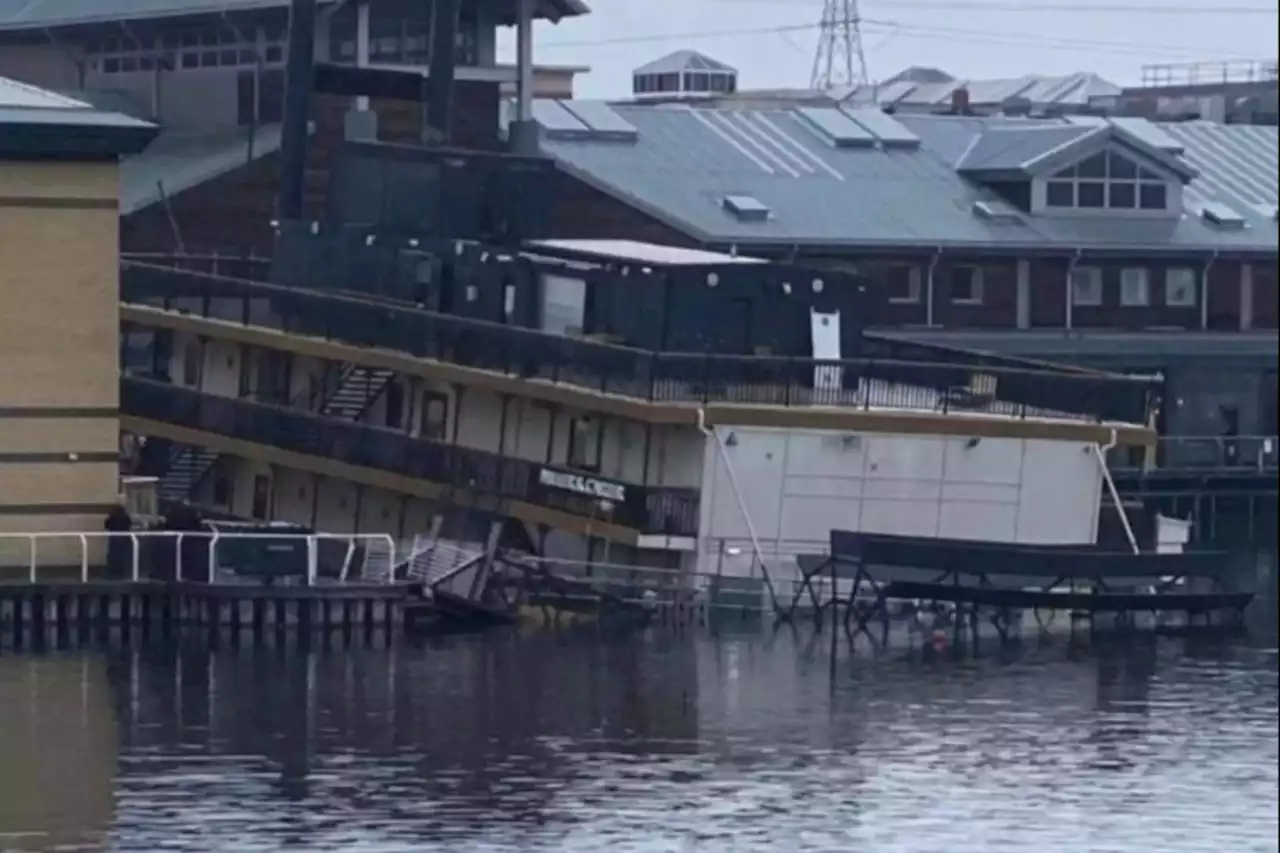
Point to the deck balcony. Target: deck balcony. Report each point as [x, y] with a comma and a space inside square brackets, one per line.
[888, 376]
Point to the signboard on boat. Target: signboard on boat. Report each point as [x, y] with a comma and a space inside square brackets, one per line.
[581, 484]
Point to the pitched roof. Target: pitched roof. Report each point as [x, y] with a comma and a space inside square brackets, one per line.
[910, 89]
[178, 161]
[36, 14]
[37, 121]
[684, 60]
[681, 164]
[1036, 150]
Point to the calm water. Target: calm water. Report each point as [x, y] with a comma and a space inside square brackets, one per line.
[736, 744]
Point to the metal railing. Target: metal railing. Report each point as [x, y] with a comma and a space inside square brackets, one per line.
[985, 384]
[196, 556]
[1242, 454]
[648, 509]
[250, 266]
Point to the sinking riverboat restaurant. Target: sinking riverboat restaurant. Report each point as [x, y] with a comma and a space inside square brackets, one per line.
[426, 361]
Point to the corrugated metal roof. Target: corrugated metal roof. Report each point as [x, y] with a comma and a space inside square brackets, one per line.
[57, 13]
[685, 161]
[175, 162]
[32, 14]
[23, 104]
[684, 60]
[1070, 90]
[1015, 148]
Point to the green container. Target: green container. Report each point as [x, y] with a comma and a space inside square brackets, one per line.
[274, 551]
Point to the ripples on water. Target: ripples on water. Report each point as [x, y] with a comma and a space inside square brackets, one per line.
[748, 744]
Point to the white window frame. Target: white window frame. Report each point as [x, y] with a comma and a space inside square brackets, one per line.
[1183, 279]
[976, 285]
[914, 285]
[1092, 277]
[1141, 178]
[1135, 280]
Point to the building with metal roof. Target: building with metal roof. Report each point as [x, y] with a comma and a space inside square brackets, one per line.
[39, 15]
[833, 179]
[1015, 234]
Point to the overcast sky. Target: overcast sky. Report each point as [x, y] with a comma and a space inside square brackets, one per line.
[771, 42]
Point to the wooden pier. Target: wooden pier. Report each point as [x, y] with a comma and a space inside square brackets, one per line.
[98, 584]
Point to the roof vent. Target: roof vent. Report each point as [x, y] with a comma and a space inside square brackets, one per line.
[1216, 213]
[746, 208]
[997, 212]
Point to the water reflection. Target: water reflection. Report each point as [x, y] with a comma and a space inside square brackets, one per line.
[730, 745]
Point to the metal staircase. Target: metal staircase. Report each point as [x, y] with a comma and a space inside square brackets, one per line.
[186, 470]
[348, 396]
[356, 390]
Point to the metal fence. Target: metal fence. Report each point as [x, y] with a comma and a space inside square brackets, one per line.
[198, 557]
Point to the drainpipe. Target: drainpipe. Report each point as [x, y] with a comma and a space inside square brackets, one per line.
[1071, 272]
[1204, 290]
[742, 504]
[297, 107]
[928, 287]
[1101, 451]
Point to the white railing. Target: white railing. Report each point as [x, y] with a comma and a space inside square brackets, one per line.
[89, 549]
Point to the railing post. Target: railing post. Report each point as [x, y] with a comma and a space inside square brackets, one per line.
[84, 557]
[313, 558]
[31, 569]
[177, 557]
[135, 572]
[212, 559]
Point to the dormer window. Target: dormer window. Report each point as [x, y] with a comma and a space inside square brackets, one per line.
[1107, 180]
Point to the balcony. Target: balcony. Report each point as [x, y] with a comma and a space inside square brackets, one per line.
[486, 476]
[912, 377]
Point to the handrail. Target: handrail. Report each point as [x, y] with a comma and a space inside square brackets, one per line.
[643, 374]
[1218, 453]
[87, 559]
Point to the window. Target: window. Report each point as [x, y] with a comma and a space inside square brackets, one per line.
[1135, 287]
[564, 302]
[433, 420]
[966, 285]
[904, 283]
[1180, 287]
[192, 355]
[584, 443]
[200, 48]
[1086, 286]
[1107, 180]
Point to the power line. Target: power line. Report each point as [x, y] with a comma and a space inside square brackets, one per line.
[917, 31]
[1039, 8]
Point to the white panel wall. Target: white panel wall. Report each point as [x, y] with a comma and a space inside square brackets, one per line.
[795, 486]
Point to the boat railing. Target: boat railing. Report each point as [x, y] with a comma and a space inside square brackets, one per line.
[1239, 454]
[942, 382]
[207, 556]
[648, 509]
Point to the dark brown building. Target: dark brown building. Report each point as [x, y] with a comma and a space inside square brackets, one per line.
[1125, 243]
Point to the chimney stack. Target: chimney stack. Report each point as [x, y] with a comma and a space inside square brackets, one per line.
[960, 101]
